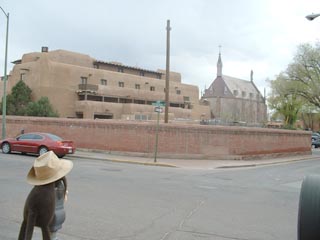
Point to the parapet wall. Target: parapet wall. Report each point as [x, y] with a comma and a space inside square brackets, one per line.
[174, 140]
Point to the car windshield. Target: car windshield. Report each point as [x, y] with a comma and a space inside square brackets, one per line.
[54, 137]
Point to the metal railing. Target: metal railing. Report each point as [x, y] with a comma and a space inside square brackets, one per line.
[88, 87]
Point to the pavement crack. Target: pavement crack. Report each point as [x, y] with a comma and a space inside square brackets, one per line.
[136, 233]
[195, 209]
[188, 216]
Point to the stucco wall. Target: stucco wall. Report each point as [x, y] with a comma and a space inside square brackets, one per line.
[175, 140]
[57, 75]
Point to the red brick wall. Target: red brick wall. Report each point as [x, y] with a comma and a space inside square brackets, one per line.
[175, 140]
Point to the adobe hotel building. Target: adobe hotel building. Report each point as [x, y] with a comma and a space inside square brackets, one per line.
[79, 86]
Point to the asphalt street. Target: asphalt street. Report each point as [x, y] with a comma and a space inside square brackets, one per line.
[112, 200]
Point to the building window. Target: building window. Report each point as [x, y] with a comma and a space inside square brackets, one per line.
[103, 82]
[235, 92]
[121, 84]
[178, 91]
[186, 99]
[152, 88]
[225, 90]
[79, 114]
[22, 76]
[244, 94]
[141, 73]
[251, 95]
[137, 86]
[120, 69]
[84, 80]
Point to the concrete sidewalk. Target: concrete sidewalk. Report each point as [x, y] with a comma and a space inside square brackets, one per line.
[183, 163]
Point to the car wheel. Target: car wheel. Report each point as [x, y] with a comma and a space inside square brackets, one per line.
[309, 209]
[6, 148]
[61, 156]
[42, 150]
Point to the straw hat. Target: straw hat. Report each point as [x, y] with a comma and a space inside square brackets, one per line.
[48, 168]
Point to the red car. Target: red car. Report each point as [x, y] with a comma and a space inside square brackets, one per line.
[38, 143]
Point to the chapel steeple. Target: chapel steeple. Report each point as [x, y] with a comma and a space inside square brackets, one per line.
[219, 64]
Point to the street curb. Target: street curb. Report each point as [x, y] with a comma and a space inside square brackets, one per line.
[237, 166]
[74, 157]
[243, 165]
[269, 163]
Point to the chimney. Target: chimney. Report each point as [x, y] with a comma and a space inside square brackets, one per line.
[44, 49]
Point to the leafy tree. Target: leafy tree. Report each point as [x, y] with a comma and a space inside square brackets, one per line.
[41, 108]
[285, 99]
[297, 89]
[305, 71]
[19, 103]
[19, 99]
[310, 116]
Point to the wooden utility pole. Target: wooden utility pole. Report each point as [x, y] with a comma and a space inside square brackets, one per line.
[166, 112]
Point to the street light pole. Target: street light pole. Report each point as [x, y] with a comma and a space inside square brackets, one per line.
[166, 112]
[4, 98]
[312, 16]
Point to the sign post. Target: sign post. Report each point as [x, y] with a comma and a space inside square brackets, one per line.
[158, 110]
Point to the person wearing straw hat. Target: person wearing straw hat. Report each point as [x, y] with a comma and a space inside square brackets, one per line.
[39, 210]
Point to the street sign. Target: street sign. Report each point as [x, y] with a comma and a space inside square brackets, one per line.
[158, 109]
[159, 103]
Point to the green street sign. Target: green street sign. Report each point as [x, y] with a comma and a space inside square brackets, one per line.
[159, 103]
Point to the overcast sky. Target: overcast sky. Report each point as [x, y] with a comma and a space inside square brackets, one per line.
[258, 35]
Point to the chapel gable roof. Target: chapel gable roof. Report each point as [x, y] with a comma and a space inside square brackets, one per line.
[226, 86]
[234, 87]
[238, 84]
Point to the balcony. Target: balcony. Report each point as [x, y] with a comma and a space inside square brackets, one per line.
[99, 93]
[88, 87]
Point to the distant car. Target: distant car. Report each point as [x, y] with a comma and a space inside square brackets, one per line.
[315, 140]
[315, 135]
[38, 143]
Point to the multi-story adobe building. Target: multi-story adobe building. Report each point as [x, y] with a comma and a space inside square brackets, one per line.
[235, 100]
[79, 86]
